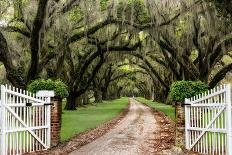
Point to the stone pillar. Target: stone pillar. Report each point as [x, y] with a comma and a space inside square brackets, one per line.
[56, 113]
[180, 125]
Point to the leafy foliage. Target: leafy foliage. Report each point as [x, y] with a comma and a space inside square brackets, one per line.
[58, 86]
[133, 10]
[185, 89]
[104, 4]
[72, 40]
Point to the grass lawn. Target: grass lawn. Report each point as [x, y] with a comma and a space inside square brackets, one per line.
[74, 122]
[168, 110]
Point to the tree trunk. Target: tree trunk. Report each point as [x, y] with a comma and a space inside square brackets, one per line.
[118, 94]
[85, 99]
[14, 74]
[35, 39]
[98, 96]
[79, 101]
[105, 95]
[71, 102]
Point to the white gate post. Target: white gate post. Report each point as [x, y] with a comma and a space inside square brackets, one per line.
[49, 122]
[2, 121]
[187, 120]
[47, 95]
[229, 127]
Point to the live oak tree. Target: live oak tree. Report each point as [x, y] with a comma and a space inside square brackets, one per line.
[77, 41]
[110, 73]
[194, 53]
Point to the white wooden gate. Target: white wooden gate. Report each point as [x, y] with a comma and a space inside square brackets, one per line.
[208, 122]
[24, 122]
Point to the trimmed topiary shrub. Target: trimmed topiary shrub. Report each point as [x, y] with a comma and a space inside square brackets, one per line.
[185, 89]
[60, 88]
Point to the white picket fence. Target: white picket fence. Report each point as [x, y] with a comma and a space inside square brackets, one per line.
[24, 122]
[208, 122]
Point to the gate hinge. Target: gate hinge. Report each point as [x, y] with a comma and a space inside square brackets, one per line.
[28, 104]
[48, 104]
[187, 104]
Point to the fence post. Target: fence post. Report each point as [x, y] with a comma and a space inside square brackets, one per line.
[54, 113]
[2, 121]
[49, 122]
[180, 124]
[56, 117]
[187, 121]
[47, 95]
[229, 128]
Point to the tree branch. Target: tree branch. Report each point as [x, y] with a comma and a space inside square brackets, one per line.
[80, 91]
[70, 5]
[16, 29]
[152, 69]
[220, 75]
[108, 21]
[217, 53]
[122, 75]
[14, 75]
[35, 37]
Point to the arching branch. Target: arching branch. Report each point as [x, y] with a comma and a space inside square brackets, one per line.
[35, 37]
[14, 75]
[220, 75]
[152, 69]
[16, 29]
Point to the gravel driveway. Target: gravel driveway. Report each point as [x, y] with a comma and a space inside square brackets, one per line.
[134, 135]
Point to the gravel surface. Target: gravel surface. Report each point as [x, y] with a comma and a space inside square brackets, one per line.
[134, 135]
[138, 130]
[84, 138]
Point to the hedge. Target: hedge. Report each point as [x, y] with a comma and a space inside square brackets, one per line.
[60, 88]
[185, 89]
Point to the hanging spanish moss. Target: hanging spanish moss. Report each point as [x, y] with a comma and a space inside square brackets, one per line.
[84, 42]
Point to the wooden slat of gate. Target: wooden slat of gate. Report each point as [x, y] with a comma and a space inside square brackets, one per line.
[26, 127]
[207, 125]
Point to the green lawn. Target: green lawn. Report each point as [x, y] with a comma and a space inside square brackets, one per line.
[168, 110]
[74, 122]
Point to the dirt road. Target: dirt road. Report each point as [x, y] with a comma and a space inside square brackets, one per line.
[134, 135]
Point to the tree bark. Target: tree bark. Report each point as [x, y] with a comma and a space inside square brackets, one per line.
[105, 95]
[79, 102]
[220, 75]
[118, 94]
[85, 99]
[14, 75]
[98, 96]
[91, 78]
[71, 101]
[35, 37]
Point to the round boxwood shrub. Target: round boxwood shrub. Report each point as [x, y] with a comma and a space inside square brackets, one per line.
[60, 88]
[185, 89]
